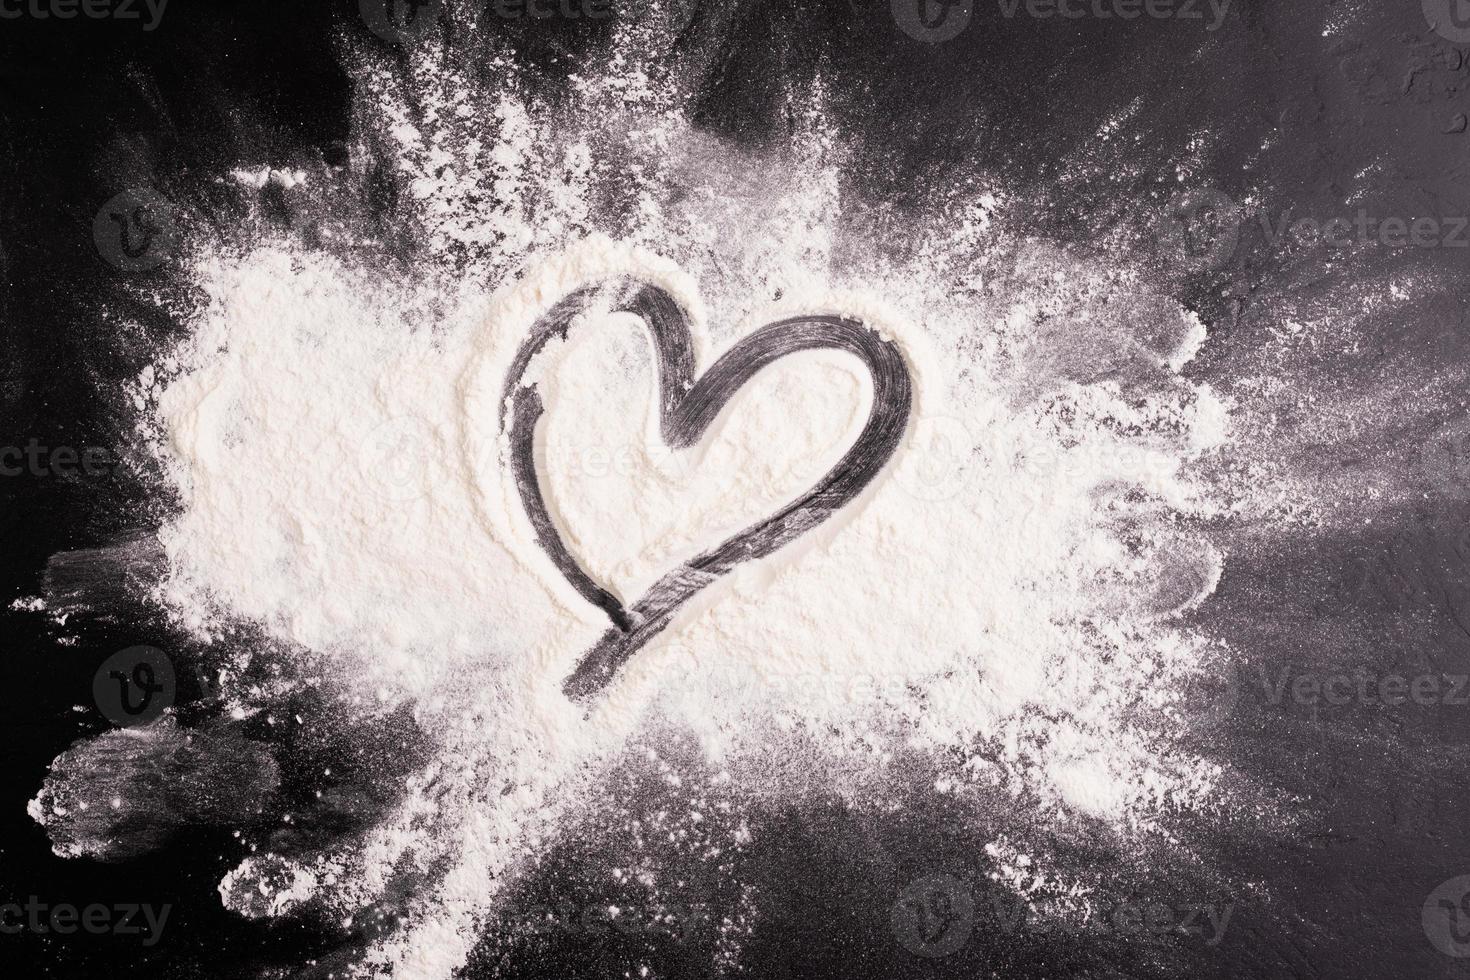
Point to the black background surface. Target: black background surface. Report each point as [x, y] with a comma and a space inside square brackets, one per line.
[88, 108]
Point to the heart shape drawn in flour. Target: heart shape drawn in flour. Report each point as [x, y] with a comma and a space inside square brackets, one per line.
[687, 407]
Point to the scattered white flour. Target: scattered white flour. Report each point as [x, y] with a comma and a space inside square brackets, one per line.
[1003, 601]
[256, 179]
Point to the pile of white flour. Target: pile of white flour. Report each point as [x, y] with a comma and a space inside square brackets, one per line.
[1003, 601]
